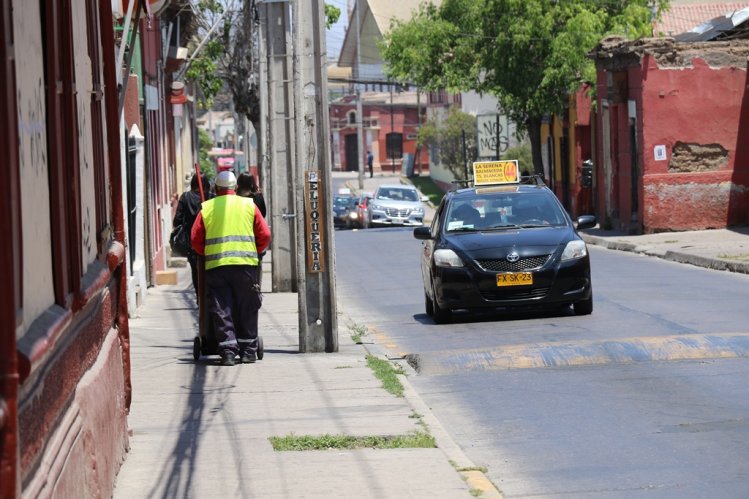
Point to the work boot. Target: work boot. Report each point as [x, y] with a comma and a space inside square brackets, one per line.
[227, 359]
[248, 358]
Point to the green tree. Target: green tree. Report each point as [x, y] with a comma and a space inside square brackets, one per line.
[522, 153]
[204, 146]
[455, 139]
[230, 54]
[332, 14]
[530, 54]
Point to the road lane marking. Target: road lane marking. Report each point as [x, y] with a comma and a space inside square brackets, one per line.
[585, 353]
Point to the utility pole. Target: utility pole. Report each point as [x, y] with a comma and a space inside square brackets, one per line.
[318, 325]
[359, 107]
[281, 138]
[418, 125]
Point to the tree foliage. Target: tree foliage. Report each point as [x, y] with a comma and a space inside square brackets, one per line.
[332, 14]
[230, 54]
[530, 54]
[205, 144]
[455, 139]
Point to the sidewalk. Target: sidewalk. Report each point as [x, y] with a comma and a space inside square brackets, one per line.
[201, 430]
[720, 249]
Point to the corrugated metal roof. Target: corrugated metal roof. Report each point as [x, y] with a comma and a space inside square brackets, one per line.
[718, 27]
[682, 18]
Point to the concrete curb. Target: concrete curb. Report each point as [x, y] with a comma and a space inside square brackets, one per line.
[473, 476]
[670, 255]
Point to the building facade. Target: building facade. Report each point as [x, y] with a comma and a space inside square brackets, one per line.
[65, 355]
[673, 122]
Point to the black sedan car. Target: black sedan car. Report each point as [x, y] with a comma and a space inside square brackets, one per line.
[504, 247]
[343, 206]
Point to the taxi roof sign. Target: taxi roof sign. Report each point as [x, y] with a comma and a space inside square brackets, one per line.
[496, 172]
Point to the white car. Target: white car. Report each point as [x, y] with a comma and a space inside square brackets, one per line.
[395, 204]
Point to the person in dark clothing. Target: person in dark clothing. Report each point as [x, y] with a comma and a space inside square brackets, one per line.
[247, 187]
[187, 211]
[370, 163]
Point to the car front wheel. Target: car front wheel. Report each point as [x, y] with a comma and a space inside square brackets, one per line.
[428, 305]
[441, 315]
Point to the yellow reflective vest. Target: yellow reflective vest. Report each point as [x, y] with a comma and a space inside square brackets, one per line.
[229, 233]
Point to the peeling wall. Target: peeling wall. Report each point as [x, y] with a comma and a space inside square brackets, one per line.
[701, 202]
[692, 158]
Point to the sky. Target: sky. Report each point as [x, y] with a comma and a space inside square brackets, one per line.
[335, 34]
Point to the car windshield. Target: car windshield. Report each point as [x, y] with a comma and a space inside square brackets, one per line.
[397, 194]
[504, 211]
[342, 201]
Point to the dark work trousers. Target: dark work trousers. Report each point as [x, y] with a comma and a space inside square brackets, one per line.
[233, 299]
[192, 259]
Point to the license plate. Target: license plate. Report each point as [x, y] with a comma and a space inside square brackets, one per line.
[515, 279]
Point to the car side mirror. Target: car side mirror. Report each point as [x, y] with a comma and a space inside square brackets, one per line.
[423, 233]
[585, 222]
[424, 199]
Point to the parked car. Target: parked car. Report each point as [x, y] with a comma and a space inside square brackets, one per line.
[504, 247]
[358, 216]
[395, 205]
[342, 207]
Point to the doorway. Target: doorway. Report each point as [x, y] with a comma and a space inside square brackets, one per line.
[352, 153]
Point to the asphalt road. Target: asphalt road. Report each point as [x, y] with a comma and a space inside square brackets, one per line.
[646, 397]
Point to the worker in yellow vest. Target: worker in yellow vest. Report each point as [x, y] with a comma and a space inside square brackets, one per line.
[231, 232]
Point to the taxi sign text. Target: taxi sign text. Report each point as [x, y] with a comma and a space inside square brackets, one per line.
[495, 172]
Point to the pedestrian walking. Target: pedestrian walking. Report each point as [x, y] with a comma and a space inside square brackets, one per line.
[247, 187]
[187, 211]
[230, 231]
[370, 163]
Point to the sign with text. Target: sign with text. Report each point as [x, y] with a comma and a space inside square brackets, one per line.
[493, 132]
[313, 197]
[495, 172]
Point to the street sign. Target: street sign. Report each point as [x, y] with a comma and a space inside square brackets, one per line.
[495, 172]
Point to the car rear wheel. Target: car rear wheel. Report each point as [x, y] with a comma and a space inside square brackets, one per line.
[584, 307]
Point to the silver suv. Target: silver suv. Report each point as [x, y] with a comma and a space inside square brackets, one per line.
[396, 205]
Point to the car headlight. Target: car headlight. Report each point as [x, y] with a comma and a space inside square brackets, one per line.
[353, 214]
[376, 207]
[574, 249]
[447, 258]
[419, 210]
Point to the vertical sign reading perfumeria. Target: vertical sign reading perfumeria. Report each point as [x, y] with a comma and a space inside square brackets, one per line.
[314, 202]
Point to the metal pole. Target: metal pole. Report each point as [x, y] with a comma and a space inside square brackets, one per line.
[418, 124]
[465, 154]
[497, 137]
[360, 138]
[392, 131]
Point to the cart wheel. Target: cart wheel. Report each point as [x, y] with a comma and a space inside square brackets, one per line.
[196, 348]
[260, 352]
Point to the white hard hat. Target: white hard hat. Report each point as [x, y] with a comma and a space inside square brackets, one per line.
[226, 180]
